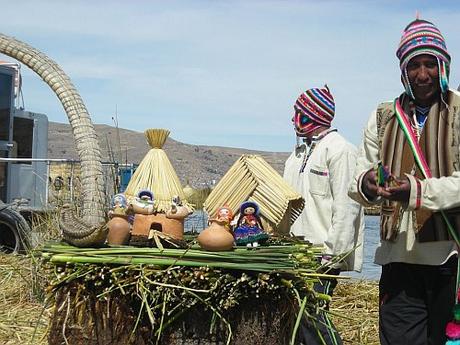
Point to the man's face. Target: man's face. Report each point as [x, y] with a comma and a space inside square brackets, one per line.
[302, 124]
[423, 74]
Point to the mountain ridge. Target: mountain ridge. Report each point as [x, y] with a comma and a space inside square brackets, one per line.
[196, 165]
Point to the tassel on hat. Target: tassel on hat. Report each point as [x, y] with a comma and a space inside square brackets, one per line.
[453, 327]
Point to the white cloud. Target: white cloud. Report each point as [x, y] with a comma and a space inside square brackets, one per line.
[221, 70]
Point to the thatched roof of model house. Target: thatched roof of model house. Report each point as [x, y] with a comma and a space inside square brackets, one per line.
[156, 173]
[252, 178]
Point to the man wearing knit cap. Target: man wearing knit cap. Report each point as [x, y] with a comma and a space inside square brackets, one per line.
[320, 169]
[409, 164]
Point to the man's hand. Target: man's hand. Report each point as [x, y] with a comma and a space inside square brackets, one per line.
[369, 185]
[396, 190]
[399, 191]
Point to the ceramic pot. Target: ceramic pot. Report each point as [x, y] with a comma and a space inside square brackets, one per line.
[216, 237]
[174, 228]
[119, 230]
[178, 212]
[143, 223]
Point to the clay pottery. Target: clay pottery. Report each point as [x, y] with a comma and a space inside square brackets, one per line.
[140, 207]
[178, 212]
[119, 230]
[172, 227]
[216, 237]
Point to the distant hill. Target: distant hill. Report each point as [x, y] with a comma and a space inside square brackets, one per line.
[200, 165]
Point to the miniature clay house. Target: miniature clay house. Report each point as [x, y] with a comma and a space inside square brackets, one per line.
[252, 178]
[155, 173]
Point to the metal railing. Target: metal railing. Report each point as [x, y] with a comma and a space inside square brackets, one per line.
[108, 180]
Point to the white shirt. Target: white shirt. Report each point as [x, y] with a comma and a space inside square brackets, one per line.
[330, 218]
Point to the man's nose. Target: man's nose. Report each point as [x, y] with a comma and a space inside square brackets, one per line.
[423, 74]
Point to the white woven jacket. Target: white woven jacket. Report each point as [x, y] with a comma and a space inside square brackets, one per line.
[330, 218]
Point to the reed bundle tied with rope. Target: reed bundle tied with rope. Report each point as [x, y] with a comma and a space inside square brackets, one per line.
[156, 173]
[162, 286]
[252, 178]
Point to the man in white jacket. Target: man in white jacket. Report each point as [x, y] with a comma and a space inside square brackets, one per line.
[416, 139]
[321, 169]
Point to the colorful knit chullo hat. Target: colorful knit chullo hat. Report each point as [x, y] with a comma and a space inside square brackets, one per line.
[423, 37]
[314, 108]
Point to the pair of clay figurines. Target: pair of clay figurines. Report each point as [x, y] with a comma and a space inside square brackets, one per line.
[122, 213]
[221, 235]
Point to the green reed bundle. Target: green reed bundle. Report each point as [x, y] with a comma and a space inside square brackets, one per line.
[166, 283]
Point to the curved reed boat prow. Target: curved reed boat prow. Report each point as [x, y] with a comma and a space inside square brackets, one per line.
[74, 229]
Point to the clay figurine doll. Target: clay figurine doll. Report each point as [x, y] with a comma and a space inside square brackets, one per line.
[177, 210]
[119, 228]
[119, 205]
[218, 236]
[144, 202]
[249, 230]
[224, 216]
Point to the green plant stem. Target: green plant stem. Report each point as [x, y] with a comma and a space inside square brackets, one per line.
[298, 319]
[62, 258]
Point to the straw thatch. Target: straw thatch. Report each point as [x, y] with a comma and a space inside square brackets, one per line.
[197, 197]
[156, 173]
[252, 178]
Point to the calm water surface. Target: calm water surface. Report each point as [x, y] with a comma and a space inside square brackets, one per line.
[371, 241]
[197, 221]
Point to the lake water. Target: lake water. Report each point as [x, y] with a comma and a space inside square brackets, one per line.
[197, 221]
[371, 241]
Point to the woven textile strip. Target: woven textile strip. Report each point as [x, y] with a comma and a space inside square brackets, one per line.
[405, 125]
[419, 157]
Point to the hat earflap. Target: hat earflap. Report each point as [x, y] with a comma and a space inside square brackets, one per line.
[443, 76]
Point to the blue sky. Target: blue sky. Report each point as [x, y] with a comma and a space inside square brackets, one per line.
[222, 73]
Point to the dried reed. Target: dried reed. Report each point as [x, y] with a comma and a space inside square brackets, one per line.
[197, 197]
[358, 300]
[23, 318]
[252, 178]
[156, 173]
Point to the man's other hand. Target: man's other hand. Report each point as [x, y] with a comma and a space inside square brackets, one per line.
[399, 191]
[369, 185]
